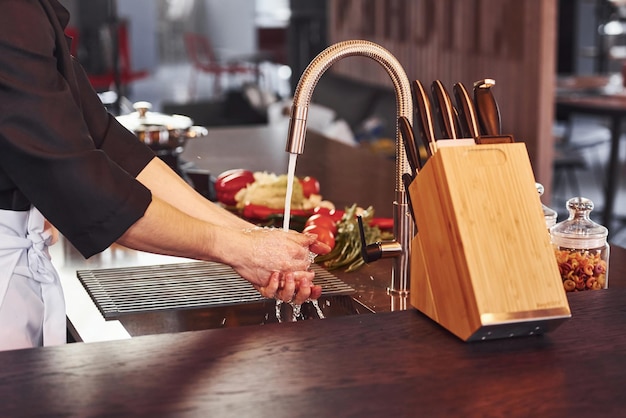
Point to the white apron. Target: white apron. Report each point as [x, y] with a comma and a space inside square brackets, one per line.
[32, 306]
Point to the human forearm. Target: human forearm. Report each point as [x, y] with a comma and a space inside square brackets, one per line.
[255, 253]
[181, 222]
[166, 230]
[165, 184]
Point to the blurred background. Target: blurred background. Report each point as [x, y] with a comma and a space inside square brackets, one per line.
[236, 62]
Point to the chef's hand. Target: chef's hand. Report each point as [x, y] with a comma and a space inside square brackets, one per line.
[296, 287]
[276, 262]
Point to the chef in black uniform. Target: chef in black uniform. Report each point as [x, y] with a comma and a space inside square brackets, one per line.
[65, 161]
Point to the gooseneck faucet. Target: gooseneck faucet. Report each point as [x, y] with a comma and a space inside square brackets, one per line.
[403, 229]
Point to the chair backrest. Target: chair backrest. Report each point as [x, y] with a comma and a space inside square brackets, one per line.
[199, 49]
[124, 47]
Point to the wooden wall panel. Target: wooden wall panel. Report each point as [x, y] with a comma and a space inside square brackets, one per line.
[511, 41]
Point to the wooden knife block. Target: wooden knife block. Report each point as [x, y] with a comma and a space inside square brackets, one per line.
[482, 265]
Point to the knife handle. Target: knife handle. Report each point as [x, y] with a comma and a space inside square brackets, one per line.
[444, 110]
[467, 112]
[409, 144]
[425, 112]
[487, 107]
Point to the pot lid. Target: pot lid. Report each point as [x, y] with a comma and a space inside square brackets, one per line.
[145, 120]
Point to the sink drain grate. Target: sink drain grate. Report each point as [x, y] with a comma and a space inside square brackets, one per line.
[193, 285]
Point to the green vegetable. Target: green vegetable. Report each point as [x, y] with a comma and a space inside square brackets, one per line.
[347, 251]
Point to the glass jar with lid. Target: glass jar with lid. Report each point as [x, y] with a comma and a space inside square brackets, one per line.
[581, 248]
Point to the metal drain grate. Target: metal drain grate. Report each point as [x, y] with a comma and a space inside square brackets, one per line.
[193, 285]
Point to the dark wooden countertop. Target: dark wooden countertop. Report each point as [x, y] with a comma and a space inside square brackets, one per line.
[387, 364]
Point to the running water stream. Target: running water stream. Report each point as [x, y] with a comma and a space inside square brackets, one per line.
[291, 175]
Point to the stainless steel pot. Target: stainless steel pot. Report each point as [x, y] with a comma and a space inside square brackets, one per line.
[165, 134]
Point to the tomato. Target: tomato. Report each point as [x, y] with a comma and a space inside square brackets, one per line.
[323, 235]
[310, 186]
[335, 214]
[230, 182]
[325, 221]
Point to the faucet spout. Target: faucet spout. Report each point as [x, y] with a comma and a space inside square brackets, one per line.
[403, 222]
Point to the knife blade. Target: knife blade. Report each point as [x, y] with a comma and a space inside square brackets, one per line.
[487, 108]
[406, 130]
[424, 109]
[467, 112]
[444, 110]
[407, 179]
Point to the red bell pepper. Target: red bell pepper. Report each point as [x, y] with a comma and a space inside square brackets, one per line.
[260, 212]
[230, 182]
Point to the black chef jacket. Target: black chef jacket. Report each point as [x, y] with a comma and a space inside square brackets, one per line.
[59, 149]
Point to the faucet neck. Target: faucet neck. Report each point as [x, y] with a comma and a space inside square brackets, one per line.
[319, 65]
[403, 223]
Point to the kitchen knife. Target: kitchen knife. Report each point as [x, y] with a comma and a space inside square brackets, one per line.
[425, 112]
[487, 107]
[407, 179]
[467, 113]
[409, 144]
[444, 110]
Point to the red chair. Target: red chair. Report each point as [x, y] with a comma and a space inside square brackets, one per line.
[105, 81]
[203, 59]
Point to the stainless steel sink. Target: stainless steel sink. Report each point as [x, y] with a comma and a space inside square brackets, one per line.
[259, 313]
[200, 295]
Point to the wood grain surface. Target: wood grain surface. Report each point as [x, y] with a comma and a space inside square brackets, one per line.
[388, 364]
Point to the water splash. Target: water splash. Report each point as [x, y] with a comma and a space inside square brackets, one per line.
[316, 305]
[279, 316]
[296, 311]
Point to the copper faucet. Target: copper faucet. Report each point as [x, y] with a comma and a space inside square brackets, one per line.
[399, 248]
